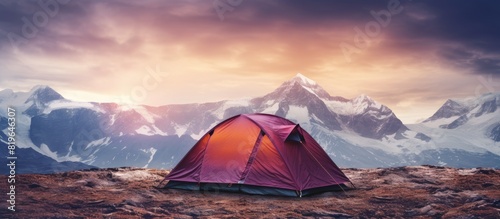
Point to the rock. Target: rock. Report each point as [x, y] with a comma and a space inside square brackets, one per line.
[95, 202]
[425, 181]
[381, 199]
[425, 209]
[193, 212]
[475, 199]
[34, 186]
[423, 137]
[129, 202]
[323, 213]
[411, 213]
[152, 215]
[485, 171]
[434, 167]
[496, 203]
[433, 212]
[90, 184]
[486, 185]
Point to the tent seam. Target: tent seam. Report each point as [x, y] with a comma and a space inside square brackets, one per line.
[251, 158]
[208, 141]
[274, 144]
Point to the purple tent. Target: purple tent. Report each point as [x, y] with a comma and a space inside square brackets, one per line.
[257, 154]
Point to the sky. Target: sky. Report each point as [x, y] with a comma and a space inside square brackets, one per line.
[409, 55]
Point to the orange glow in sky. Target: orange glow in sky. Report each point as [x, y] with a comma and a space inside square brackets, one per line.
[182, 52]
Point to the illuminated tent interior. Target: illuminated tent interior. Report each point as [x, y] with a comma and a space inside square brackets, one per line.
[257, 154]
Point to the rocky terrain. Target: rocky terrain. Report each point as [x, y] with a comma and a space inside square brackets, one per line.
[419, 192]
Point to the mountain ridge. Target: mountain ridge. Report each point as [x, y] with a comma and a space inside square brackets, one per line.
[110, 134]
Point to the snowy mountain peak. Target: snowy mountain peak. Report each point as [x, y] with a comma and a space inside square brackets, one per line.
[38, 98]
[6, 93]
[363, 98]
[366, 101]
[43, 94]
[304, 80]
[458, 107]
[39, 87]
[449, 109]
[474, 101]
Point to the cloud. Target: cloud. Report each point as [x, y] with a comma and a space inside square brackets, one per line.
[463, 34]
[431, 51]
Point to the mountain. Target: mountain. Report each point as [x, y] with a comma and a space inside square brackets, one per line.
[449, 109]
[473, 106]
[304, 101]
[26, 105]
[471, 124]
[54, 134]
[357, 132]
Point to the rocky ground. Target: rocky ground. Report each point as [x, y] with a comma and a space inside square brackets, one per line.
[418, 192]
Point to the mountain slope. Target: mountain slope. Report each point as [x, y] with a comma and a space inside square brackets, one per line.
[471, 124]
[27, 104]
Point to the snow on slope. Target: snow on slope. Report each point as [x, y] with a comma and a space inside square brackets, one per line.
[144, 130]
[219, 113]
[149, 117]
[66, 104]
[203, 132]
[271, 109]
[354, 106]
[357, 112]
[181, 130]
[44, 99]
[45, 150]
[471, 102]
[468, 128]
[469, 137]
[19, 102]
[151, 151]
[300, 114]
[439, 122]
[305, 80]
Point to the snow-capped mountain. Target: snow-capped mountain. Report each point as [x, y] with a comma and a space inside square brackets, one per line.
[304, 101]
[456, 113]
[469, 124]
[358, 132]
[31, 159]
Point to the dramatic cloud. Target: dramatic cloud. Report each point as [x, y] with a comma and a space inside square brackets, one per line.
[409, 55]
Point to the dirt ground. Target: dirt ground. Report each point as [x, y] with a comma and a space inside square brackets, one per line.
[404, 192]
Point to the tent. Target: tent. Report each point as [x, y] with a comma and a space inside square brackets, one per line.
[257, 154]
